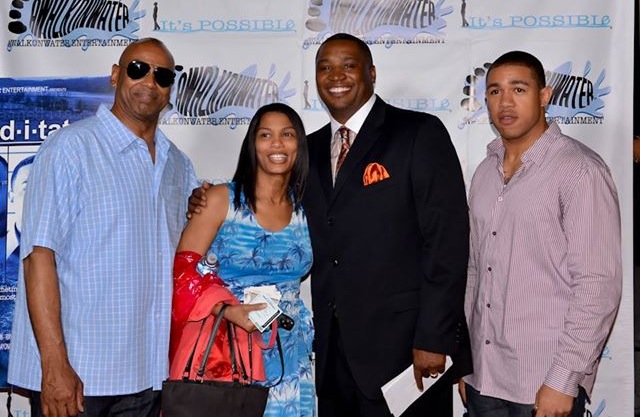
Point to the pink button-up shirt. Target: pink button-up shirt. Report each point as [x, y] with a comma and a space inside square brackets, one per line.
[545, 271]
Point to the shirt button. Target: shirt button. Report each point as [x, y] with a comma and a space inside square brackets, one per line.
[489, 269]
[486, 342]
[499, 198]
[493, 233]
[488, 305]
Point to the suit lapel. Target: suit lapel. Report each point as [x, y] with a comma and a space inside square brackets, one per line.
[370, 132]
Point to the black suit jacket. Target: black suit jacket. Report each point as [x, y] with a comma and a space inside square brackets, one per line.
[390, 258]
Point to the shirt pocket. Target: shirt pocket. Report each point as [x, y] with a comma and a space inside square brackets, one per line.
[379, 186]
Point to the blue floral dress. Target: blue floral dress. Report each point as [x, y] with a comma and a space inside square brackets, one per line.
[249, 255]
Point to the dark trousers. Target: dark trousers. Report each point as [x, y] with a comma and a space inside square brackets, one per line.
[141, 404]
[483, 406]
[340, 396]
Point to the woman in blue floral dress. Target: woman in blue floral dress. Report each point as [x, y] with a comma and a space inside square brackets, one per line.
[258, 233]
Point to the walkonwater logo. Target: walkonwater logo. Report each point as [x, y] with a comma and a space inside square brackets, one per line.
[574, 95]
[576, 99]
[542, 21]
[72, 23]
[385, 22]
[210, 95]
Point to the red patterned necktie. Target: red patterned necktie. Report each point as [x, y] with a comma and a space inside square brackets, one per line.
[343, 133]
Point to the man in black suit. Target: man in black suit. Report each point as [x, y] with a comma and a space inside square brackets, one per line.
[389, 231]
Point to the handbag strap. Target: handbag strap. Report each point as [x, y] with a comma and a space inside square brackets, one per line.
[207, 351]
[187, 369]
[234, 363]
[272, 339]
[281, 360]
[231, 332]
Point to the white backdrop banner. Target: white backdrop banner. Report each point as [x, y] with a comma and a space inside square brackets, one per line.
[431, 56]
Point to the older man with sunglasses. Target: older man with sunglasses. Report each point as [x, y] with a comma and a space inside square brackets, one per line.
[103, 213]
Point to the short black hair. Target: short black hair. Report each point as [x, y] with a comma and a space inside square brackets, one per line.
[247, 168]
[362, 45]
[521, 58]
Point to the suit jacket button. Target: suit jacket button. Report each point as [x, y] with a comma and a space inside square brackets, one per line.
[335, 262]
[330, 221]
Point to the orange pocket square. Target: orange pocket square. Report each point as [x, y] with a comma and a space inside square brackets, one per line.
[373, 173]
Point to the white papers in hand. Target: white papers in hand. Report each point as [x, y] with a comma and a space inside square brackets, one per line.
[269, 295]
[401, 391]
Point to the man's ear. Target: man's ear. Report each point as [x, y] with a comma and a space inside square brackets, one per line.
[545, 95]
[115, 73]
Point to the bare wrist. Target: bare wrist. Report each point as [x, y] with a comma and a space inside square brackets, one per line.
[216, 309]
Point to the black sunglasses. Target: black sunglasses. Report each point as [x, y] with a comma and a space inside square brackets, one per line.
[138, 69]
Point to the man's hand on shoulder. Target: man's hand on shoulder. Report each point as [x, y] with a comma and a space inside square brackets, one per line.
[198, 199]
[552, 403]
[427, 364]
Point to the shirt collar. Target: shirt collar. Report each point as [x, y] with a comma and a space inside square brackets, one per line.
[123, 137]
[536, 152]
[356, 121]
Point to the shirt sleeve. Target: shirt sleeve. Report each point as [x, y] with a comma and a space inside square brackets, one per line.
[193, 181]
[441, 205]
[591, 220]
[52, 199]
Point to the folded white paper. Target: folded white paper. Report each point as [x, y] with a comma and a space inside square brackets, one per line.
[401, 391]
[269, 295]
[266, 290]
